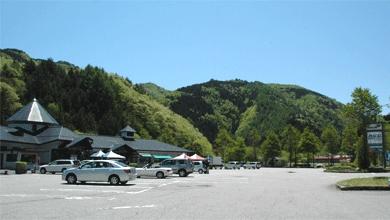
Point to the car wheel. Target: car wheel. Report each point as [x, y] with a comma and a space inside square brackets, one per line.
[42, 170]
[200, 171]
[182, 173]
[71, 179]
[160, 175]
[114, 180]
[53, 172]
[123, 182]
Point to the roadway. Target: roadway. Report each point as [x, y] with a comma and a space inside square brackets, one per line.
[267, 193]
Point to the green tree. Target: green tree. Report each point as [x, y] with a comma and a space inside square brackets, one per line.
[223, 141]
[236, 152]
[290, 140]
[331, 141]
[363, 110]
[270, 149]
[349, 139]
[309, 144]
[253, 140]
[9, 101]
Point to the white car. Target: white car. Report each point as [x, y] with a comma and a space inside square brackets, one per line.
[232, 165]
[199, 167]
[252, 165]
[159, 172]
[110, 171]
[58, 166]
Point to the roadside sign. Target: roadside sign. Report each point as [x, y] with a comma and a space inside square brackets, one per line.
[375, 136]
[374, 127]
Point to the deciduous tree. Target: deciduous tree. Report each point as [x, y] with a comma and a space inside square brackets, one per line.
[364, 109]
[309, 144]
[331, 141]
[270, 149]
[290, 140]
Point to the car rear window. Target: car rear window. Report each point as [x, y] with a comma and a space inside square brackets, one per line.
[121, 164]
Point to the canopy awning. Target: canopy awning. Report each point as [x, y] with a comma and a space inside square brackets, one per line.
[156, 156]
[145, 155]
[98, 154]
[196, 157]
[112, 155]
[182, 156]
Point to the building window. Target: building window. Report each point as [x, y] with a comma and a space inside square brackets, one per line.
[11, 157]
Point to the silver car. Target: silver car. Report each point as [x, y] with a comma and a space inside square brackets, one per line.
[232, 165]
[110, 171]
[252, 165]
[58, 166]
[158, 172]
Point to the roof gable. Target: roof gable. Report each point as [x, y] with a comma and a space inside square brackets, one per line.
[128, 128]
[32, 113]
[50, 134]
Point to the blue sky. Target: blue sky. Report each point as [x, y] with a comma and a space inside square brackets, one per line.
[327, 46]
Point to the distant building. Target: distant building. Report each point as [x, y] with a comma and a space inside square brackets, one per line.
[34, 136]
[336, 159]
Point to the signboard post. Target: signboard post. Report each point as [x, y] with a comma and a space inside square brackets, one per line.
[375, 139]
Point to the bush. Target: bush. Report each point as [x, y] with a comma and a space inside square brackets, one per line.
[134, 164]
[21, 167]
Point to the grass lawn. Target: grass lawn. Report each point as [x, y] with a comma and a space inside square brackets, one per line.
[365, 182]
[341, 169]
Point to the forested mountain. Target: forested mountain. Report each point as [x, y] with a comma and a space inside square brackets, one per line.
[246, 109]
[90, 100]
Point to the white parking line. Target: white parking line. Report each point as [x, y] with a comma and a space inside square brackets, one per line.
[144, 189]
[132, 207]
[67, 197]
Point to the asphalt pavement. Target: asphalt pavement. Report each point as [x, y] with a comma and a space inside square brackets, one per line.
[267, 193]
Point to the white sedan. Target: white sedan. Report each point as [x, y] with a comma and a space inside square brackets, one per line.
[158, 172]
[110, 171]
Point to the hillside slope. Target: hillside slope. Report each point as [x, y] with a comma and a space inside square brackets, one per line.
[243, 107]
[90, 100]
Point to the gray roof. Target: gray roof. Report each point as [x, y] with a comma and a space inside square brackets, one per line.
[154, 145]
[48, 135]
[128, 128]
[32, 113]
[138, 144]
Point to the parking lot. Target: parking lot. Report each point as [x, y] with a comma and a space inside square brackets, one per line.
[267, 193]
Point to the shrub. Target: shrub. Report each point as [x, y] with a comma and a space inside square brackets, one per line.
[21, 167]
[133, 164]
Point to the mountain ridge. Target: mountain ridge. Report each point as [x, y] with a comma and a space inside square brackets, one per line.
[187, 114]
